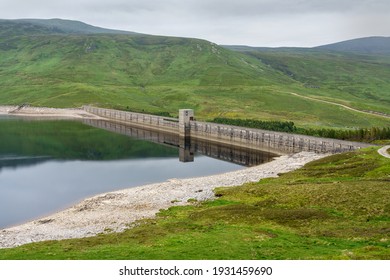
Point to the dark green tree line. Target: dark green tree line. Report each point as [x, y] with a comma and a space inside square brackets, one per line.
[361, 134]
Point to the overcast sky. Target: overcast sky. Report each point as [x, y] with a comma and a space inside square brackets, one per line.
[274, 23]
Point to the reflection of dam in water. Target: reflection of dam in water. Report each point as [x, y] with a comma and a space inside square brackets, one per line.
[17, 161]
[188, 146]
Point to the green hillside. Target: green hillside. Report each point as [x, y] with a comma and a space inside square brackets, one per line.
[67, 64]
[356, 80]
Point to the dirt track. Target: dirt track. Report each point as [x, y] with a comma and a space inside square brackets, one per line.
[383, 151]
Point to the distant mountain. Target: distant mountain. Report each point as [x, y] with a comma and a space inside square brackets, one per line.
[51, 27]
[242, 48]
[370, 45]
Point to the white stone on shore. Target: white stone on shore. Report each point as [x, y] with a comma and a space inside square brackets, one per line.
[116, 210]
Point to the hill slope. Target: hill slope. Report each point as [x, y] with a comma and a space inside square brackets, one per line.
[353, 73]
[371, 45]
[51, 26]
[66, 64]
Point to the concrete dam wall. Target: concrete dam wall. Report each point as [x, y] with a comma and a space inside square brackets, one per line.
[264, 140]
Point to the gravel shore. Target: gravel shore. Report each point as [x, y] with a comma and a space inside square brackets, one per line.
[115, 211]
[37, 112]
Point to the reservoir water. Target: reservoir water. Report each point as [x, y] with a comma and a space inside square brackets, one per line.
[46, 166]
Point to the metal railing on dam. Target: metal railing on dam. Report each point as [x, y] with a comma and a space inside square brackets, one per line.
[257, 139]
[136, 119]
[278, 142]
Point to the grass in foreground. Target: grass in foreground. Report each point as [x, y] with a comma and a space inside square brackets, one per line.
[334, 208]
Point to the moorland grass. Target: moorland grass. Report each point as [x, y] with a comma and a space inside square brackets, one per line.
[334, 208]
[355, 80]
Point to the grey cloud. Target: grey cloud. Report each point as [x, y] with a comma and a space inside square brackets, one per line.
[221, 21]
[201, 8]
[287, 7]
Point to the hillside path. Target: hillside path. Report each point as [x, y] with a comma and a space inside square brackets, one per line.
[383, 151]
[340, 105]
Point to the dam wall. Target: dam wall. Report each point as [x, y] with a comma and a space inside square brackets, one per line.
[257, 139]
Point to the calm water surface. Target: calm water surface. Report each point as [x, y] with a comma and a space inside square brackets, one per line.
[46, 166]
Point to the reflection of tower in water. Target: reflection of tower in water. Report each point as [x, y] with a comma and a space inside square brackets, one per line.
[186, 150]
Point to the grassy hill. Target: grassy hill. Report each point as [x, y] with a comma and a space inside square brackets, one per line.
[334, 208]
[358, 80]
[67, 64]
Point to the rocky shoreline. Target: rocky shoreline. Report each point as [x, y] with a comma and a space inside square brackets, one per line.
[116, 211]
